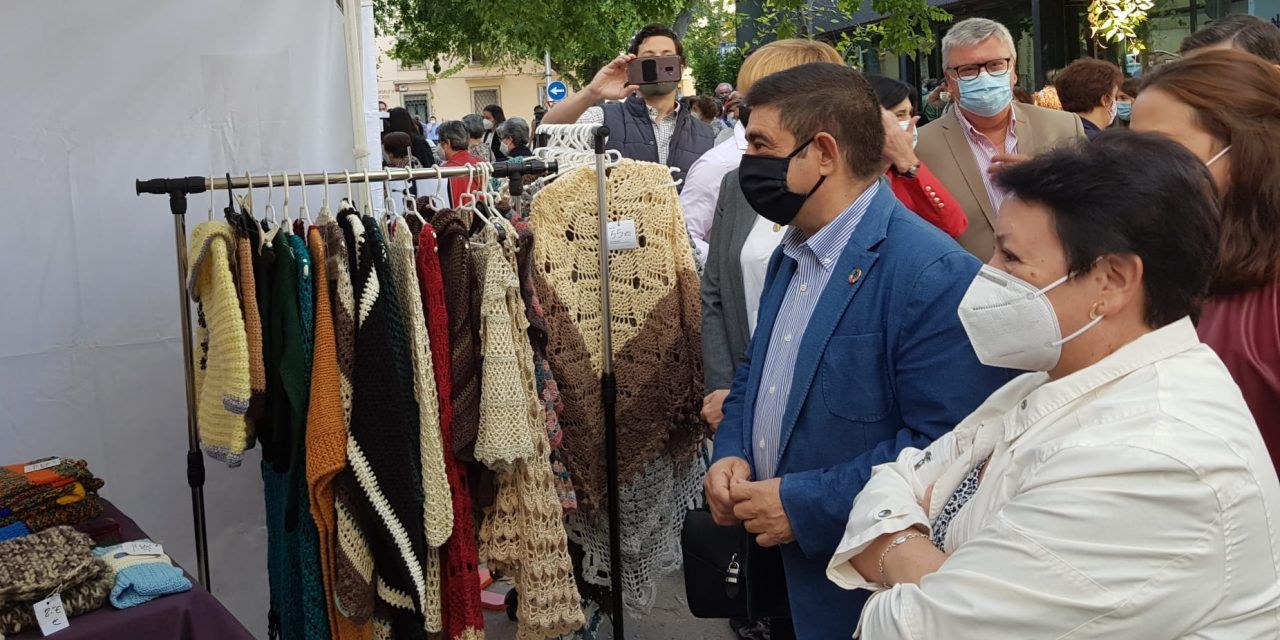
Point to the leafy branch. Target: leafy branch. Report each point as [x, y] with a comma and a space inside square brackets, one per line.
[1117, 21]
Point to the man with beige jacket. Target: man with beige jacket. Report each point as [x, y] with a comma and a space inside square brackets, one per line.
[986, 129]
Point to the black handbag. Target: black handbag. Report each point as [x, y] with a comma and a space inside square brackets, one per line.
[718, 564]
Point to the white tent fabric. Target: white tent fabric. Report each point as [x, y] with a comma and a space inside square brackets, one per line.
[92, 95]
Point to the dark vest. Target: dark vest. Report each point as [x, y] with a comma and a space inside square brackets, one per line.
[631, 132]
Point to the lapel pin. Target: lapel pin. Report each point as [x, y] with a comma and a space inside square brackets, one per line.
[856, 275]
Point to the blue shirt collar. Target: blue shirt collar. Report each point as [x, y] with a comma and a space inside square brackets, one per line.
[830, 240]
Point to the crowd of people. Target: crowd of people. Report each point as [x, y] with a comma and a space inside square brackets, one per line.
[1011, 373]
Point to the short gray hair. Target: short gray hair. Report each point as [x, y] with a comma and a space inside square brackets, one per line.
[973, 31]
[475, 125]
[455, 133]
[516, 129]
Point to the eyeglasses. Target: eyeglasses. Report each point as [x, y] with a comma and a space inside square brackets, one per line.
[995, 68]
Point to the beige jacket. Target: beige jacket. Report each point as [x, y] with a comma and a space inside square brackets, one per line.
[1133, 499]
[944, 148]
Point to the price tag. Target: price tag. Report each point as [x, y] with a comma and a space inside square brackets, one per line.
[51, 615]
[43, 464]
[142, 548]
[622, 235]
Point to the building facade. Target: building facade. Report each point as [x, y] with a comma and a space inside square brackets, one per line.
[460, 87]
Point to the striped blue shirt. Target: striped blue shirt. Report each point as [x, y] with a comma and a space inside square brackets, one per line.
[815, 258]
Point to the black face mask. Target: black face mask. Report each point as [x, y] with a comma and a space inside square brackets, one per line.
[764, 184]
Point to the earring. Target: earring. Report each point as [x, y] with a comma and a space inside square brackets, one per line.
[1093, 311]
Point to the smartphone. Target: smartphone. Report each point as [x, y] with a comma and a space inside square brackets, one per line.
[654, 70]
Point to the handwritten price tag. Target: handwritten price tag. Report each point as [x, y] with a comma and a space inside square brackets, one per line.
[51, 615]
[43, 464]
[142, 548]
[622, 235]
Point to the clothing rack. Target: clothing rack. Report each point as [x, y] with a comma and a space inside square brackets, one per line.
[598, 135]
[179, 188]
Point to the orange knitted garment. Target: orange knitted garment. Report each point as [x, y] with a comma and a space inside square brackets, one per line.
[326, 438]
[252, 327]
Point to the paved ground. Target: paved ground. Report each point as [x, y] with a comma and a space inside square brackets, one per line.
[669, 619]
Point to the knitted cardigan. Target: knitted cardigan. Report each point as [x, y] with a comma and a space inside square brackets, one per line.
[383, 440]
[459, 290]
[548, 390]
[222, 372]
[460, 578]
[326, 417]
[252, 326]
[58, 560]
[287, 369]
[657, 322]
[523, 532]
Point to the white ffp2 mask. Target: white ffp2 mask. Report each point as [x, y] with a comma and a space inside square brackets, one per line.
[1011, 323]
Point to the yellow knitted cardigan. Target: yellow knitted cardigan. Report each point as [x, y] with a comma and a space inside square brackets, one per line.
[222, 350]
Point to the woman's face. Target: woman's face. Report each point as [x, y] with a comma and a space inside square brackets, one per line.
[1027, 247]
[1157, 111]
[902, 110]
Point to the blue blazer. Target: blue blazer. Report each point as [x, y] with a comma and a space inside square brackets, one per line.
[885, 364]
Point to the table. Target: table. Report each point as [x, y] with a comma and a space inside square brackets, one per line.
[193, 615]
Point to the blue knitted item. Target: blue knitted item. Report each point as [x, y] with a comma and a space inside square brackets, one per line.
[143, 583]
[15, 530]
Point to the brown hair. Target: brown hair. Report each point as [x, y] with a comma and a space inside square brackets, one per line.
[1236, 96]
[1240, 31]
[824, 97]
[1084, 83]
[783, 54]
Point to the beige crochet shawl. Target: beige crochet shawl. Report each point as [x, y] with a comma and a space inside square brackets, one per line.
[657, 322]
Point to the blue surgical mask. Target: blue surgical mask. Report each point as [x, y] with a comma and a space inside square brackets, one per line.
[1123, 109]
[985, 95]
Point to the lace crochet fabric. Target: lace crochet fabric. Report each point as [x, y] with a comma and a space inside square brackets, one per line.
[656, 323]
[522, 531]
[651, 514]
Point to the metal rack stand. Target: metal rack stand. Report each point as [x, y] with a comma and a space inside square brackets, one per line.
[179, 188]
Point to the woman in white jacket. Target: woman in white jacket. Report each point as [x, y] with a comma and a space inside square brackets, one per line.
[1118, 490]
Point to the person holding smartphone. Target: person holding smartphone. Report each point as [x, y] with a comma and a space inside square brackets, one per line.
[640, 108]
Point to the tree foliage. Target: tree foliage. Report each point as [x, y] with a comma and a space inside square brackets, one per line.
[581, 36]
[710, 48]
[1117, 21]
[905, 28]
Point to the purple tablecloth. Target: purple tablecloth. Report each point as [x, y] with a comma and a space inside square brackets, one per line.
[194, 615]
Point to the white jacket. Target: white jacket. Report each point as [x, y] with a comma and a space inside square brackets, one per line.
[1133, 499]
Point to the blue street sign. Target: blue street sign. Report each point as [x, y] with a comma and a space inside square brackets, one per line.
[557, 90]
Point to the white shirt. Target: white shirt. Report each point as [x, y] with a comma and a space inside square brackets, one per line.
[702, 187]
[1132, 499]
[764, 238]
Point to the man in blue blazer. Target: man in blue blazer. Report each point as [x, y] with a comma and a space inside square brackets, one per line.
[858, 350]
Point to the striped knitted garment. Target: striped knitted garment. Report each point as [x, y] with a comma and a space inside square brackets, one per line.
[64, 494]
[58, 560]
[523, 532]
[222, 371]
[460, 578]
[459, 289]
[326, 440]
[383, 448]
[252, 326]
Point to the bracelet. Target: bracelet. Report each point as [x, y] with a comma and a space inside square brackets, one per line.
[898, 541]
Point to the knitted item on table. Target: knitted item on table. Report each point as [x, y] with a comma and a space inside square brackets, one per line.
[656, 323]
[504, 398]
[141, 579]
[15, 530]
[222, 372]
[462, 614]
[438, 507]
[252, 326]
[459, 289]
[522, 532]
[548, 391]
[326, 440]
[383, 440]
[58, 560]
[63, 494]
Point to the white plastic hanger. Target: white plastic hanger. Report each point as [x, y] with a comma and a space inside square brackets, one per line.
[411, 205]
[303, 211]
[368, 196]
[350, 201]
[326, 214]
[287, 223]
